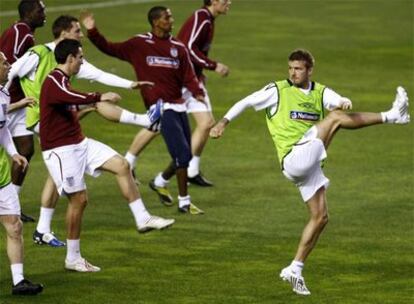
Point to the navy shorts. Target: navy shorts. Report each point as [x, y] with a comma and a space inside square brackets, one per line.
[176, 132]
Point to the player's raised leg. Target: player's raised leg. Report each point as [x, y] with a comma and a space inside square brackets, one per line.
[398, 114]
[144, 220]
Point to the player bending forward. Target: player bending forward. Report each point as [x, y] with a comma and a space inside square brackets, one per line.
[301, 133]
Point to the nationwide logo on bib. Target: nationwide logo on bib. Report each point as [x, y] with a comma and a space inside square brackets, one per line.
[297, 115]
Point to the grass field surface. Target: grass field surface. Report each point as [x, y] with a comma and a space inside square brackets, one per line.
[254, 216]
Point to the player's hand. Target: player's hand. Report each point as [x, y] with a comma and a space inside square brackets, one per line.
[222, 69]
[111, 97]
[87, 19]
[218, 130]
[26, 102]
[136, 85]
[200, 98]
[345, 103]
[21, 161]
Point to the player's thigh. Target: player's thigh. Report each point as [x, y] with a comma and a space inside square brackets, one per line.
[204, 120]
[66, 166]
[9, 201]
[102, 157]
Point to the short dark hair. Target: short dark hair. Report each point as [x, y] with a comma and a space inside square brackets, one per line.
[155, 13]
[207, 2]
[65, 48]
[26, 7]
[62, 23]
[302, 55]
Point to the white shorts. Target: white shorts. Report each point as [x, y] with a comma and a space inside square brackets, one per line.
[193, 105]
[9, 201]
[303, 165]
[67, 165]
[17, 123]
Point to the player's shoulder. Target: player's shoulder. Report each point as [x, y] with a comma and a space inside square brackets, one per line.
[56, 74]
[22, 28]
[177, 43]
[203, 14]
[143, 36]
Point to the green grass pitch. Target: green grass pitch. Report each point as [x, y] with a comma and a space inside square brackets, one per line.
[254, 216]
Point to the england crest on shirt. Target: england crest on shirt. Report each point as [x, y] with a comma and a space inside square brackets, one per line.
[174, 52]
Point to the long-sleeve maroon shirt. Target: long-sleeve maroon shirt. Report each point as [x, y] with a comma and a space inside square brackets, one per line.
[164, 61]
[59, 123]
[14, 42]
[197, 34]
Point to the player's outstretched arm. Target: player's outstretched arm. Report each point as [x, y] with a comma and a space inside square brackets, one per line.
[137, 85]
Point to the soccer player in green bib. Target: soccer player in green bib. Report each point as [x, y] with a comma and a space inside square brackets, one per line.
[9, 199]
[295, 115]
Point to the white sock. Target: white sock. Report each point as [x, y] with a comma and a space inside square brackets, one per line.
[45, 219]
[390, 116]
[18, 188]
[183, 201]
[159, 181]
[297, 267]
[139, 211]
[134, 119]
[131, 159]
[17, 272]
[194, 166]
[73, 250]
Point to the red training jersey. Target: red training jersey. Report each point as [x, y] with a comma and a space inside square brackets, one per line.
[164, 61]
[197, 34]
[59, 123]
[14, 42]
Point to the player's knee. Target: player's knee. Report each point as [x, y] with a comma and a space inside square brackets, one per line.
[206, 123]
[323, 220]
[183, 160]
[335, 116]
[26, 149]
[15, 228]
[123, 166]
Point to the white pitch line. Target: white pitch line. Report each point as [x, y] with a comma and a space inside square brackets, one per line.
[84, 6]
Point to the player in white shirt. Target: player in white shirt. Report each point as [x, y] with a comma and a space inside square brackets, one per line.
[9, 199]
[302, 133]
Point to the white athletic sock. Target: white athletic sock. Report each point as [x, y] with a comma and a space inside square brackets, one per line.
[194, 166]
[131, 159]
[159, 181]
[297, 267]
[134, 119]
[17, 272]
[390, 116]
[45, 219]
[139, 211]
[183, 201]
[18, 188]
[73, 250]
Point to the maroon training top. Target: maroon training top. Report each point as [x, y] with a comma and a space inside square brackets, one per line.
[164, 61]
[197, 34]
[59, 123]
[14, 42]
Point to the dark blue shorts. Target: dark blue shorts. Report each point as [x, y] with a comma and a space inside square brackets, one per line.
[176, 132]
